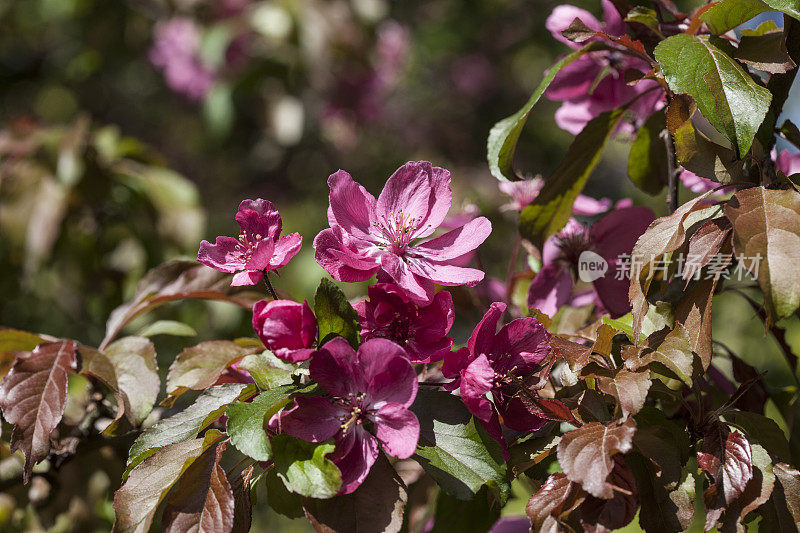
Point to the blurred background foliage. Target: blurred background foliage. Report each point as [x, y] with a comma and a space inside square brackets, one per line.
[132, 129]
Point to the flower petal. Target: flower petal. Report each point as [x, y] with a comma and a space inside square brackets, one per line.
[314, 419]
[562, 16]
[476, 382]
[612, 20]
[517, 417]
[397, 384]
[362, 451]
[455, 362]
[332, 255]
[259, 217]
[398, 430]
[407, 193]
[445, 274]
[285, 249]
[482, 339]
[457, 242]
[550, 289]
[262, 253]
[525, 342]
[418, 289]
[440, 201]
[224, 255]
[351, 206]
[246, 277]
[333, 368]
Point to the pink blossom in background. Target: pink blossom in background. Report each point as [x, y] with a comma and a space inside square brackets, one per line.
[176, 50]
[369, 236]
[287, 328]
[524, 192]
[577, 84]
[787, 161]
[473, 75]
[421, 331]
[492, 362]
[377, 385]
[610, 237]
[259, 247]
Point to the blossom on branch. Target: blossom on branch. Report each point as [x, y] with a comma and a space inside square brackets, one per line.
[369, 236]
[373, 387]
[259, 247]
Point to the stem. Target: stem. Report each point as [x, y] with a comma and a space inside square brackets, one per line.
[269, 286]
[672, 173]
[512, 266]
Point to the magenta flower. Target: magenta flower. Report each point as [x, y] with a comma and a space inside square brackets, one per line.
[609, 239]
[176, 50]
[497, 362]
[287, 328]
[524, 192]
[372, 387]
[369, 236]
[259, 247]
[421, 331]
[595, 83]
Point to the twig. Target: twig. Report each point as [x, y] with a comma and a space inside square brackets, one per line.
[269, 286]
[672, 173]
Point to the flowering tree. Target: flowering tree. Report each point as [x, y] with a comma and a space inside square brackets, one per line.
[601, 395]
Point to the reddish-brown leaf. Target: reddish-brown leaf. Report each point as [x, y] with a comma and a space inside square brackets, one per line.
[547, 408]
[664, 235]
[556, 497]
[605, 515]
[789, 479]
[756, 493]
[176, 280]
[33, 396]
[766, 223]
[149, 482]
[706, 242]
[629, 388]
[199, 367]
[242, 511]
[202, 501]
[726, 456]
[586, 454]
[673, 349]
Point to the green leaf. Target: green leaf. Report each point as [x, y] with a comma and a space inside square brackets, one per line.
[12, 341]
[726, 95]
[673, 351]
[766, 223]
[304, 468]
[455, 450]
[246, 422]
[267, 370]
[643, 15]
[199, 367]
[149, 482]
[280, 499]
[503, 138]
[335, 315]
[551, 209]
[723, 16]
[647, 161]
[186, 424]
[168, 327]
[128, 367]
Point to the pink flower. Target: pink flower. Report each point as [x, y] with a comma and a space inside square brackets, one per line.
[287, 328]
[787, 161]
[369, 236]
[176, 50]
[377, 384]
[609, 239]
[421, 331]
[595, 83]
[524, 192]
[258, 248]
[497, 362]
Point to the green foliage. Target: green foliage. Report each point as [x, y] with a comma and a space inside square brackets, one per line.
[335, 315]
[304, 468]
[247, 422]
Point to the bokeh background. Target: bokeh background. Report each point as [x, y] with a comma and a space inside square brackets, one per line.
[130, 130]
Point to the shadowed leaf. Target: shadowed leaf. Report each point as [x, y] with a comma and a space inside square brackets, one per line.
[375, 507]
[673, 350]
[647, 160]
[33, 396]
[242, 511]
[629, 388]
[556, 497]
[727, 458]
[605, 515]
[202, 501]
[765, 49]
[335, 315]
